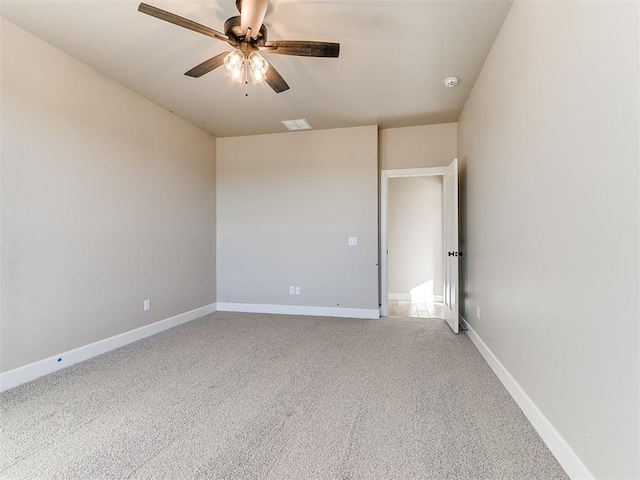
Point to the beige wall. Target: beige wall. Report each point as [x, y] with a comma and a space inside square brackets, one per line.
[107, 200]
[418, 147]
[287, 204]
[549, 147]
[414, 235]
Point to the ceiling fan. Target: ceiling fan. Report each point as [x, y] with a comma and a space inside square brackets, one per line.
[248, 36]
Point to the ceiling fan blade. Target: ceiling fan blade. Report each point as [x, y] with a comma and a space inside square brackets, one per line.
[207, 66]
[252, 15]
[303, 48]
[275, 80]
[182, 22]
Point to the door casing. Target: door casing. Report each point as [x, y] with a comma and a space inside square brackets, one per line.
[385, 175]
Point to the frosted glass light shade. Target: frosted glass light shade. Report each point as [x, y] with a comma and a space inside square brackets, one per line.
[234, 63]
[258, 67]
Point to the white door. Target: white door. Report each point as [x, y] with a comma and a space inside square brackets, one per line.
[450, 204]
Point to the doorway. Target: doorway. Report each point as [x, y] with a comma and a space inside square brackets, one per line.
[414, 243]
[449, 255]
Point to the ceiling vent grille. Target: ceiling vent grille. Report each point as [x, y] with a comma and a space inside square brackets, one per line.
[300, 124]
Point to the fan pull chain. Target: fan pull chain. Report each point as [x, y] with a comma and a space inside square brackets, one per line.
[246, 79]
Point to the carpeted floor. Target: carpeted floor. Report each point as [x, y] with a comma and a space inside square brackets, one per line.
[253, 396]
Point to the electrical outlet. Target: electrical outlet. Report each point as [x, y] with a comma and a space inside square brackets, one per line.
[353, 241]
[478, 313]
[292, 290]
[297, 290]
[146, 305]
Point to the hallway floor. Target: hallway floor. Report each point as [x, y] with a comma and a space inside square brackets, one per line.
[407, 308]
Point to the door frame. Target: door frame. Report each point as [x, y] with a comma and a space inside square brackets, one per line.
[385, 175]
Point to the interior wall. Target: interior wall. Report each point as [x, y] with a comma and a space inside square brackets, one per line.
[548, 143]
[287, 204]
[107, 200]
[414, 237]
[418, 147]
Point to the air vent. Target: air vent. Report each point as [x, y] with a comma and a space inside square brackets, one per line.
[300, 124]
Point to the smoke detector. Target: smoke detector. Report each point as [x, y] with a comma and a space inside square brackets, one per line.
[450, 82]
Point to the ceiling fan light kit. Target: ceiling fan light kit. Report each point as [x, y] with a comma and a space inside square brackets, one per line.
[247, 35]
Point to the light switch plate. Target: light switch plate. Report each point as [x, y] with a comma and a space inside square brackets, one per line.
[297, 290]
[292, 290]
[146, 306]
[353, 241]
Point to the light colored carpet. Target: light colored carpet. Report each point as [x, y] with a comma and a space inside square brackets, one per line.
[252, 396]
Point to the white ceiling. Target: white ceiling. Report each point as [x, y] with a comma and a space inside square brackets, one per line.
[394, 57]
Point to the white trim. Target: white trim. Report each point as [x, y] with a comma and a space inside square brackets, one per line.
[385, 175]
[438, 298]
[299, 310]
[414, 172]
[399, 296]
[551, 437]
[26, 373]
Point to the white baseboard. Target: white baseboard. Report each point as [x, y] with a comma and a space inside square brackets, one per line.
[438, 298]
[399, 296]
[299, 310]
[26, 373]
[551, 437]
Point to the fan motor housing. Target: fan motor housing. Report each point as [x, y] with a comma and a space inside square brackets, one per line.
[233, 29]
